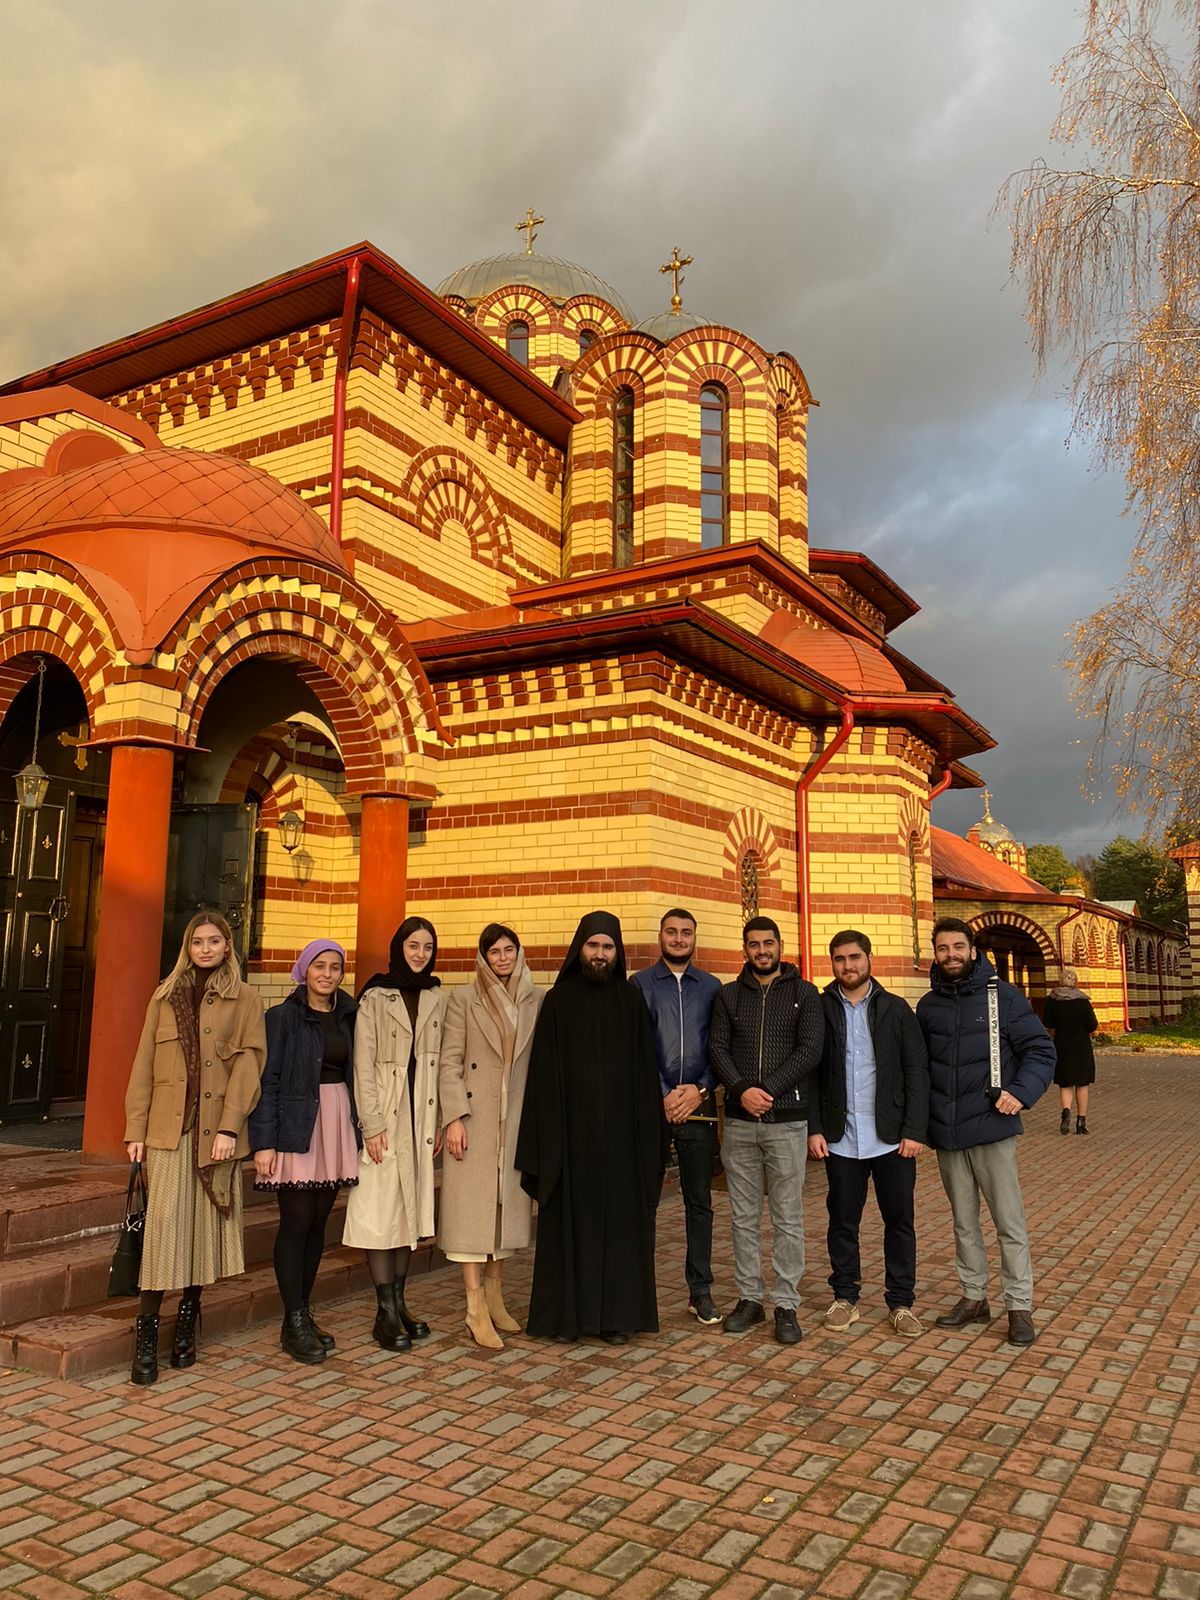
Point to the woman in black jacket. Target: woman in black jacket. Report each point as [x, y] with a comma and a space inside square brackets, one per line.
[304, 1131]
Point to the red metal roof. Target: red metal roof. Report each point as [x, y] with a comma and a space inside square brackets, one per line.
[296, 299]
[957, 861]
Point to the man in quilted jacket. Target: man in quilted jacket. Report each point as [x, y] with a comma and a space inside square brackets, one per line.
[973, 1124]
[764, 1043]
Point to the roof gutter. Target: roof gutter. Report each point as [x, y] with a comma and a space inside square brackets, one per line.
[344, 355]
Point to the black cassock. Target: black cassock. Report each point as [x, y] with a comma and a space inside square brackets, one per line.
[591, 1150]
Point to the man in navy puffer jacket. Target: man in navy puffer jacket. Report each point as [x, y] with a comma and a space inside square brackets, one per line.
[974, 1133]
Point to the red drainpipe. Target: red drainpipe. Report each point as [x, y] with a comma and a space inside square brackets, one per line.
[1124, 984]
[803, 862]
[345, 351]
[942, 784]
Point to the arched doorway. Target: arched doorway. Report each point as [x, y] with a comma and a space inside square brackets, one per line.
[1017, 957]
[50, 865]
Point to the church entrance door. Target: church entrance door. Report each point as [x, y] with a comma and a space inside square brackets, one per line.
[209, 863]
[34, 851]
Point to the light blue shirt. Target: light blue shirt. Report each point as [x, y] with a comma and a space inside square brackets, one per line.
[861, 1141]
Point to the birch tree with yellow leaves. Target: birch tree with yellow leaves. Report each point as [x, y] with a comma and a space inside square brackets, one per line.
[1108, 247]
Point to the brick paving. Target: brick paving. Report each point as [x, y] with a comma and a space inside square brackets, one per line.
[689, 1465]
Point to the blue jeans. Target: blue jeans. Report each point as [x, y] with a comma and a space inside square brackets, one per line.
[771, 1155]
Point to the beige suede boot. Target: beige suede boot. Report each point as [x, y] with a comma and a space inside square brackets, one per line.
[501, 1317]
[479, 1322]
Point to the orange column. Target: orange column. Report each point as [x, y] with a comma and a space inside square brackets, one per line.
[129, 938]
[382, 880]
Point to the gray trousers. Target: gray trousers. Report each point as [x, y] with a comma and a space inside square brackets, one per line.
[990, 1170]
[771, 1155]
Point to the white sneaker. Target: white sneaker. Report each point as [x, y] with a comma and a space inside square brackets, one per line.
[840, 1316]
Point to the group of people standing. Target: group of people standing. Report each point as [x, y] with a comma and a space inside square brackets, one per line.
[573, 1098]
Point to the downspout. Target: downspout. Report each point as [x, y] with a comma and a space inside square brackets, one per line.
[803, 862]
[1158, 962]
[1124, 984]
[345, 352]
[942, 784]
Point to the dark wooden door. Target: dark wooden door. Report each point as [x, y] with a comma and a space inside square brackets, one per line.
[79, 929]
[33, 866]
[209, 864]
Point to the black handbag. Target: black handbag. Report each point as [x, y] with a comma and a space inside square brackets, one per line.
[127, 1257]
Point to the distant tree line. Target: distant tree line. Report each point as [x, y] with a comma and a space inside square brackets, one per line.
[1126, 869]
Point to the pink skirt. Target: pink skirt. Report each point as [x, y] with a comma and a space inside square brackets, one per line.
[331, 1159]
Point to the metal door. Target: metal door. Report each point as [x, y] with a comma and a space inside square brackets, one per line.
[33, 866]
[208, 864]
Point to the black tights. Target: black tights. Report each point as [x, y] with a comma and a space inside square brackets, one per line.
[152, 1299]
[388, 1266]
[300, 1242]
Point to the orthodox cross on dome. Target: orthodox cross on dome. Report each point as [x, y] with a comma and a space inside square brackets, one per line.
[675, 267]
[528, 227]
[987, 807]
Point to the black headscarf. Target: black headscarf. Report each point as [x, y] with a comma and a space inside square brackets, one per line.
[399, 974]
[596, 922]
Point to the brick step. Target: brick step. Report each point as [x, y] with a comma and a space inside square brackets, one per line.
[98, 1337]
[49, 1279]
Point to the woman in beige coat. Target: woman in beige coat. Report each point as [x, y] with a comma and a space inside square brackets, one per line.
[193, 1084]
[397, 1040]
[485, 1214]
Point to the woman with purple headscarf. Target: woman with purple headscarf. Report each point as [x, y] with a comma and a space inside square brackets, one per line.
[303, 1132]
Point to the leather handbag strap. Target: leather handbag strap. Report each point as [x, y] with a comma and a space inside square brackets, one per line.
[137, 1184]
[993, 1007]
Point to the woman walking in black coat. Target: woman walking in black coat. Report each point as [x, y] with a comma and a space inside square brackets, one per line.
[1070, 1021]
[304, 1131]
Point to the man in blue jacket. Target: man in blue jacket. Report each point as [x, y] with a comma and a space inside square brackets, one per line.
[679, 997]
[974, 1122]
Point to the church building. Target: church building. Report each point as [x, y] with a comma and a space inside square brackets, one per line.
[345, 597]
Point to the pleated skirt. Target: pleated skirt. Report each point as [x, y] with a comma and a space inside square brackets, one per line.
[188, 1241]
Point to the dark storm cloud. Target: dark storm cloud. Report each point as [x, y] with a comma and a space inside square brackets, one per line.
[831, 169]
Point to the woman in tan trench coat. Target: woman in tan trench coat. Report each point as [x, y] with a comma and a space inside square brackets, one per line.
[397, 1040]
[193, 1084]
[485, 1214]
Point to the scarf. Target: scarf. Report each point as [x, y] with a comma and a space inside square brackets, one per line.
[186, 1000]
[502, 998]
[399, 974]
[1068, 989]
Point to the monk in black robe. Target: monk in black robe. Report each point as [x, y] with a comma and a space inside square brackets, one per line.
[592, 1146]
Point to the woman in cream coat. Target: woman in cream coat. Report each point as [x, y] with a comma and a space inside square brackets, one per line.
[397, 1040]
[485, 1214]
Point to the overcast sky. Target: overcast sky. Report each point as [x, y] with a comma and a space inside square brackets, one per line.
[831, 167]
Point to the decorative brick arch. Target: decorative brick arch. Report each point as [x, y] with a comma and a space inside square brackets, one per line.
[344, 646]
[591, 311]
[517, 303]
[788, 385]
[913, 821]
[749, 830]
[614, 360]
[444, 485]
[1079, 951]
[1023, 924]
[51, 611]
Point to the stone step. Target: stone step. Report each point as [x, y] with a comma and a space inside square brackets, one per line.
[98, 1336]
[49, 1279]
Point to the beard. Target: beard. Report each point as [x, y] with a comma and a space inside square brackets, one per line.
[965, 971]
[598, 971]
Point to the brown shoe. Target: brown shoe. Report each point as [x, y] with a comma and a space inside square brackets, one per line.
[965, 1311]
[1020, 1327]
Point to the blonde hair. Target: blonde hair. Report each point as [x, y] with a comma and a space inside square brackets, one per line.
[225, 980]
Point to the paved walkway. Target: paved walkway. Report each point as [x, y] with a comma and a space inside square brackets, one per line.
[689, 1465]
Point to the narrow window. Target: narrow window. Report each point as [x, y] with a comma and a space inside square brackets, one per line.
[714, 466]
[750, 866]
[623, 478]
[913, 908]
[517, 342]
[587, 339]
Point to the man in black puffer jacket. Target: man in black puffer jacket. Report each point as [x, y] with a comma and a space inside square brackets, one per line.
[972, 1127]
[764, 1043]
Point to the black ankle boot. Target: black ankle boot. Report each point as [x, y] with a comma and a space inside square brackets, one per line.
[297, 1339]
[145, 1352]
[414, 1330]
[325, 1340]
[1081, 1125]
[389, 1332]
[183, 1345]
[1064, 1121]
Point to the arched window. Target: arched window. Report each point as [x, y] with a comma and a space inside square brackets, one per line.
[517, 342]
[587, 338]
[913, 909]
[623, 478]
[714, 466]
[751, 863]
